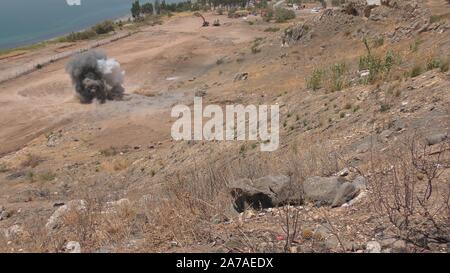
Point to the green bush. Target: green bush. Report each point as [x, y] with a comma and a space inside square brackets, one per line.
[338, 80]
[282, 15]
[316, 79]
[433, 64]
[104, 27]
[377, 66]
[78, 36]
[437, 63]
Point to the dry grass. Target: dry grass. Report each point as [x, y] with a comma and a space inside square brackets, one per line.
[31, 160]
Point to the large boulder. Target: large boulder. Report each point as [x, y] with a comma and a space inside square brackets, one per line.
[265, 192]
[56, 220]
[332, 191]
[436, 138]
[322, 189]
[345, 193]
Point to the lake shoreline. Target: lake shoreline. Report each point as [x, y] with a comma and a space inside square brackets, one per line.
[44, 42]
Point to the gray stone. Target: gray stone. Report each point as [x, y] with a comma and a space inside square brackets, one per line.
[345, 193]
[360, 183]
[385, 243]
[4, 215]
[322, 189]
[385, 134]
[241, 76]
[363, 147]
[436, 138]
[56, 220]
[13, 232]
[265, 192]
[73, 247]
[399, 246]
[373, 247]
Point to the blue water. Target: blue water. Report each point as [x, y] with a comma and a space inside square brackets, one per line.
[29, 21]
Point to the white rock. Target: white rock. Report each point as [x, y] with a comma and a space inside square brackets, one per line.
[56, 219]
[73, 247]
[13, 232]
[373, 247]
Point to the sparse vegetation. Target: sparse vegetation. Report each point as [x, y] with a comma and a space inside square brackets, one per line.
[416, 71]
[407, 190]
[111, 151]
[282, 15]
[338, 71]
[3, 168]
[256, 46]
[272, 29]
[31, 160]
[414, 47]
[315, 81]
[47, 176]
[434, 63]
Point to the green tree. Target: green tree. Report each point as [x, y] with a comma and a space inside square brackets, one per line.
[147, 8]
[136, 9]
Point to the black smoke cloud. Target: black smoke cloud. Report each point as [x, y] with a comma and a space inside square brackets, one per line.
[96, 77]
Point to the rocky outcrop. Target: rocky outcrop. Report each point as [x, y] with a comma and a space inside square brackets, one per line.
[265, 192]
[436, 138]
[330, 191]
[56, 220]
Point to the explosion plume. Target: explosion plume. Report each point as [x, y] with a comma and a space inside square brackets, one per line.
[96, 77]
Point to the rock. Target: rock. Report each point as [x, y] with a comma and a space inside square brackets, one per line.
[13, 232]
[265, 192]
[201, 91]
[399, 246]
[73, 247]
[363, 147]
[241, 76]
[56, 220]
[114, 206]
[436, 138]
[360, 183]
[373, 247]
[327, 190]
[345, 193]
[343, 172]
[385, 134]
[387, 243]
[4, 215]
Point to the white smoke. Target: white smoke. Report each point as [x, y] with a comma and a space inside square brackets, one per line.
[111, 71]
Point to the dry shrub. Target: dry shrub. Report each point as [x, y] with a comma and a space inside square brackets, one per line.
[411, 188]
[31, 160]
[194, 196]
[117, 164]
